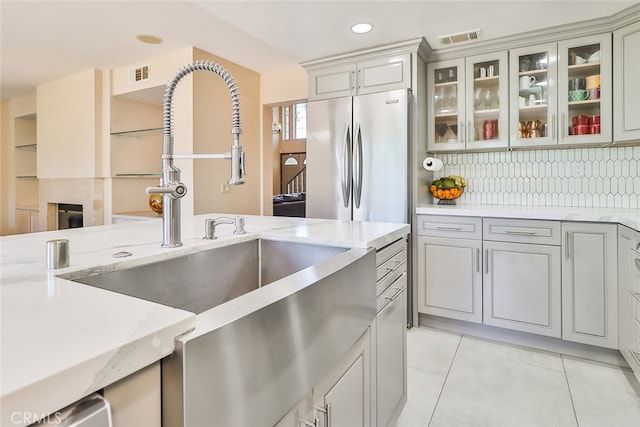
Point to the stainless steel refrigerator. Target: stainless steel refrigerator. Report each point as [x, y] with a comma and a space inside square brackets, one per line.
[358, 156]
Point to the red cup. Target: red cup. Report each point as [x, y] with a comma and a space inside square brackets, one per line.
[594, 120]
[490, 129]
[594, 128]
[580, 120]
[581, 130]
[594, 93]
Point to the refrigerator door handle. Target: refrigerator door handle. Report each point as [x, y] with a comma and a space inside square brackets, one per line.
[357, 193]
[346, 169]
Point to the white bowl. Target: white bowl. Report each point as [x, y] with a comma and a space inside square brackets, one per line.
[595, 57]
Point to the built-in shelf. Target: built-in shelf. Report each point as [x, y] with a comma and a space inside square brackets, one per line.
[26, 177]
[486, 79]
[534, 108]
[29, 147]
[452, 83]
[585, 102]
[454, 114]
[532, 72]
[138, 133]
[138, 175]
[487, 112]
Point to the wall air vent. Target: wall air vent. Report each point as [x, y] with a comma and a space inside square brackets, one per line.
[466, 37]
[138, 74]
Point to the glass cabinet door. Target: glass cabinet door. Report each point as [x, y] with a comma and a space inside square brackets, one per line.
[533, 96]
[584, 90]
[446, 115]
[487, 96]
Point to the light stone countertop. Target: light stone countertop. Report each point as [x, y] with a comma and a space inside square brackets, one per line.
[628, 217]
[62, 340]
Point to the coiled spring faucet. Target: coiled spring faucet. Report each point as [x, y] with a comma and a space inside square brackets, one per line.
[171, 188]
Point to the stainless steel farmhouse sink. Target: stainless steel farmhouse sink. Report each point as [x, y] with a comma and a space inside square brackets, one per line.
[273, 318]
[199, 281]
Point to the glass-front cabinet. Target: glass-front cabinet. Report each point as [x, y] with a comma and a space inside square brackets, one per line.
[446, 115]
[533, 96]
[468, 108]
[561, 93]
[585, 90]
[487, 100]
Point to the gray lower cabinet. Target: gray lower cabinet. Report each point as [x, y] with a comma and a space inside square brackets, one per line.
[450, 278]
[522, 287]
[391, 362]
[342, 398]
[628, 297]
[589, 284]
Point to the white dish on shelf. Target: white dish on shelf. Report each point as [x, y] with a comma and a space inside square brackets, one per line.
[595, 57]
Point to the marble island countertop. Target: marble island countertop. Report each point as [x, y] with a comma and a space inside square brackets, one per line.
[62, 340]
[628, 217]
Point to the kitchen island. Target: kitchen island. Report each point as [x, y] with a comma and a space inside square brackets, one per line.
[62, 340]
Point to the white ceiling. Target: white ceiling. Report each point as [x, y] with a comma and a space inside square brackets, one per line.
[44, 40]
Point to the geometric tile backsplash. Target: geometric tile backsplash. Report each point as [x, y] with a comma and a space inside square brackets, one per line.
[581, 177]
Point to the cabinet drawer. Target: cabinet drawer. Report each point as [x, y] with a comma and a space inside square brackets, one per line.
[522, 231]
[390, 262]
[392, 292]
[450, 226]
[635, 303]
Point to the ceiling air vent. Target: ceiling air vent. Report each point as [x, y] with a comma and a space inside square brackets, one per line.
[138, 74]
[467, 36]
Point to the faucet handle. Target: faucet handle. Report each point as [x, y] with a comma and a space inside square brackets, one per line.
[174, 190]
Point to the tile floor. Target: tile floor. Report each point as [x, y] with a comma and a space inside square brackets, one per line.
[460, 381]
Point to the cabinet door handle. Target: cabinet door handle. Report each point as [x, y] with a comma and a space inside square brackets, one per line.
[553, 126]
[448, 228]
[486, 260]
[526, 233]
[325, 415]
[462, 134]
[567, 252]
[469, 132]
[398, 292]
[562, 125]
[477, 260]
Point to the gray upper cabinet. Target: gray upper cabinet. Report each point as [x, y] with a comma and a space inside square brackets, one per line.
[561, 93]
[469, 103]
[626, 83]
[377, 74]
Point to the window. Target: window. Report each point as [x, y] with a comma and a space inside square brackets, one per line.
[294, 121]
[300, 120]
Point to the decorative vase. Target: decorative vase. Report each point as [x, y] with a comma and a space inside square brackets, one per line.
[155, 203]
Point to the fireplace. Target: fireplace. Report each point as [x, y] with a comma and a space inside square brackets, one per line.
[69, 216]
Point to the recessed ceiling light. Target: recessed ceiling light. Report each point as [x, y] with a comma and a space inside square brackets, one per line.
[361, 28]
[149, 39]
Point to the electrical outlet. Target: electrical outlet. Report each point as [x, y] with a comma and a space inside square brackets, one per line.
[578, 170]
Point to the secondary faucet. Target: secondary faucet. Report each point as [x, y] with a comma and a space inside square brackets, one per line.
[211, 223]
[171, 188]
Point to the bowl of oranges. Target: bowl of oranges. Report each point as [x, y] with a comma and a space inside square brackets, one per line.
[447, 189]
